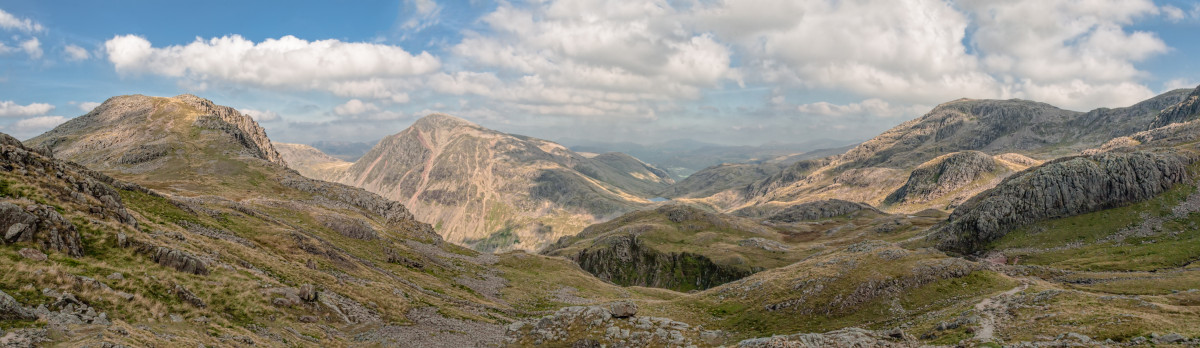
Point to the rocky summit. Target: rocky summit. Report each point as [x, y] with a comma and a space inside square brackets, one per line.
[490, 190]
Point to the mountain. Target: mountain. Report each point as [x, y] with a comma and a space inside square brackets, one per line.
[885, 170]
[497, 191]
[344, 150]
[310, 161]
[682, 157]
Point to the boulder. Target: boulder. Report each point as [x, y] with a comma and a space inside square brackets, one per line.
[187, 296]
[41, 225]
[623, 309]
[10, 309]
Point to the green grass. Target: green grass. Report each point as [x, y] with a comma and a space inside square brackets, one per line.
[1081, 238]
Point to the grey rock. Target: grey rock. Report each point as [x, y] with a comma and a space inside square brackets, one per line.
[943, 175]
[623, 309]
[187, 296]
[1062, 188]
[1184, 111]
[116, 276]
[1170, 338]
[41, 225]
[849, 337]
[10, 309]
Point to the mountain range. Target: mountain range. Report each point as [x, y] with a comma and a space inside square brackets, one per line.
[154, 221]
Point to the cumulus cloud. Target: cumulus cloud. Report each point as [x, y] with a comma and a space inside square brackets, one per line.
[88, 106]
[76, 53]
[261, 115]
[355, 107]
[32, 126]
[32, 47]
[588, 58]
[1173, 14]
[287, 62]
[10, 22]
[12, 109]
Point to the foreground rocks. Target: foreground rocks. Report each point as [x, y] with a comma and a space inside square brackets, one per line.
[1062, 188]
[614, 325]
[848, 337]
[40, 225]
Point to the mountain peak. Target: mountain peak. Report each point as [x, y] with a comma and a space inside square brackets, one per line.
[441, 121]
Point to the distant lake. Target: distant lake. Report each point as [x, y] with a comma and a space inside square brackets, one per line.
[659, 199]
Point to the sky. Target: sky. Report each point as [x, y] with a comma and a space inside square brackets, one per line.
[732, 72]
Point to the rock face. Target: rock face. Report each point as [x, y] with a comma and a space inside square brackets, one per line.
[10, 309]
[1186, 110]
[244, 128]
[943, 175]
[137, 133]
[498, 191]
[1062, 188]
[628, 261]
[819, 210]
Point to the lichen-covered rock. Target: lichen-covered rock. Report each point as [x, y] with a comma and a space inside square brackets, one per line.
[41, 225]
[32, 254]
[187, 296]
[1062, 188]
[943, 175]
[10, 309]
[350, 227]
[594, 326]
[623, 309]
[818, 210]
[179, 260]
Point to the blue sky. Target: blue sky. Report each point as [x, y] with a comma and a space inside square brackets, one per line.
[735, 72]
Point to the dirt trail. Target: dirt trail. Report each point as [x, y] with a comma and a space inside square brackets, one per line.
[988, 310]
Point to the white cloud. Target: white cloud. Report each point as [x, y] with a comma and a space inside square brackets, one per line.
[1173, 14]
[355, 107]
[88, 106]
[12, 109]
[30, 127]
[425, 13]
[613, 58]
[76, 53]
[261, 115]
[10, 22]
[1179, 83]
[284, 63]
[32, 47]
[870, 107]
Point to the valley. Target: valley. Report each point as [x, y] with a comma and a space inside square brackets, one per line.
[168, 221]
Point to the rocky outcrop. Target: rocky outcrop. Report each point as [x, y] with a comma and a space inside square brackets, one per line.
[1062, 188]
[943, 175]
[1184, 111]
[819, 210]
[10, 309]
[40, 225]
[92, 191]
[187, 296]
[241, 127]
[179, 260]
[848, 337]
[625, 260]
[349, 227]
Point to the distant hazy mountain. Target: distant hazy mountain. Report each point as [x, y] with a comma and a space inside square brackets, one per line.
[348, 151]
[682, 157]
[911, 157]
[493, 190]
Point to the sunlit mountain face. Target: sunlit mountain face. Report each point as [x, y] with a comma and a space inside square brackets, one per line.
[426, 173]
